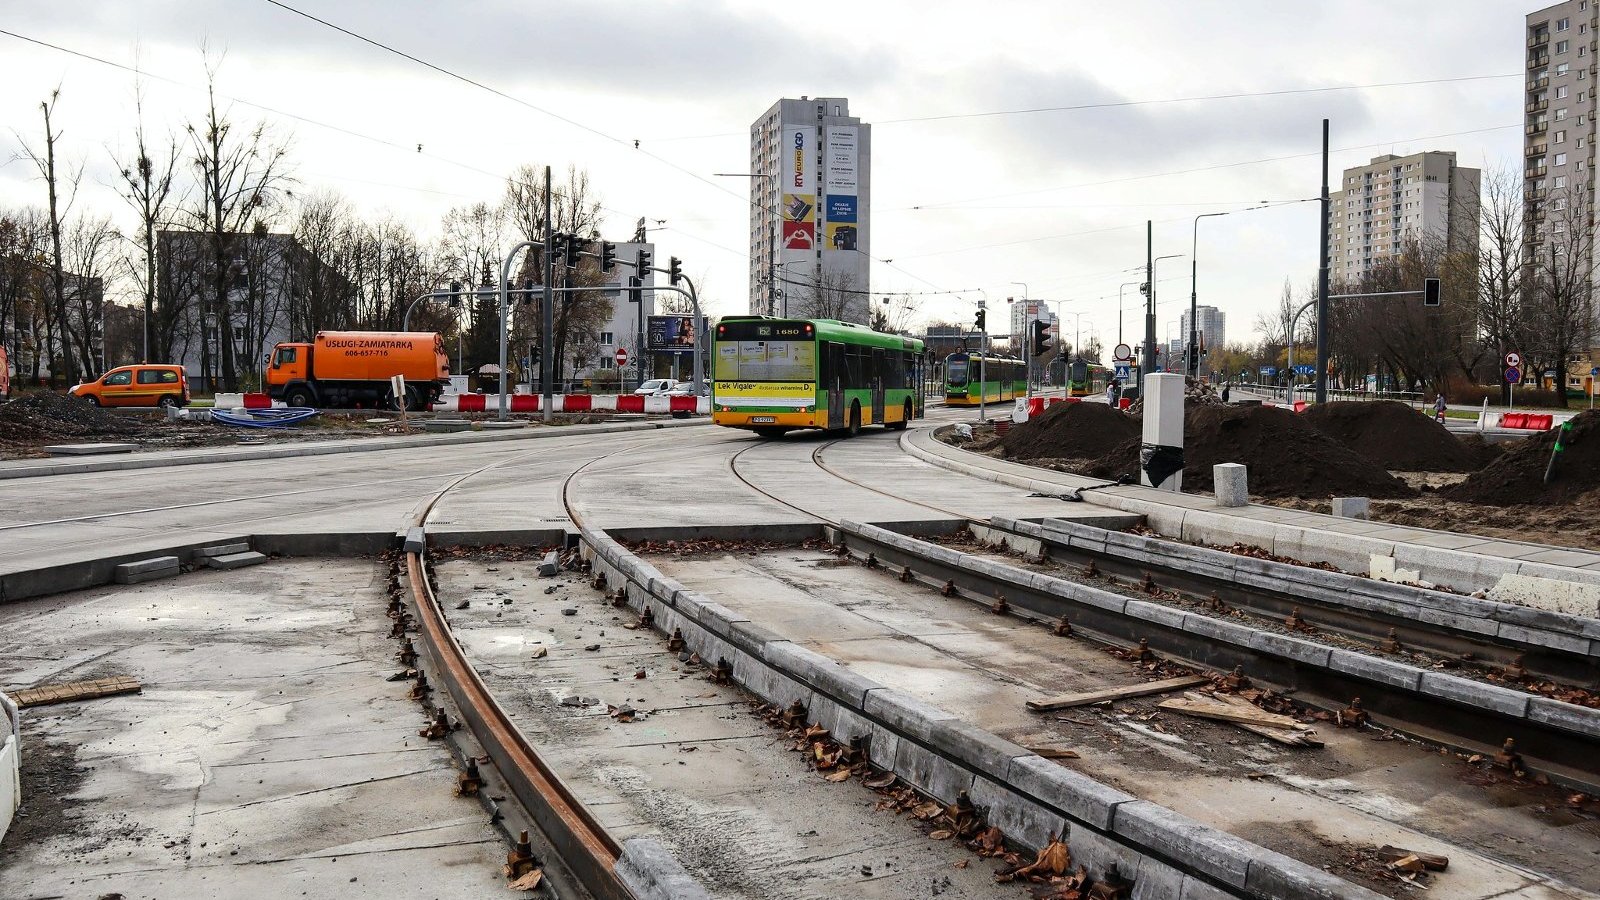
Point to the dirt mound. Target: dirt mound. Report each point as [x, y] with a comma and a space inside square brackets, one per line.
[1286, 456]
[1070, 431]
[1393, 435]
[48, 415]
[1517, 477]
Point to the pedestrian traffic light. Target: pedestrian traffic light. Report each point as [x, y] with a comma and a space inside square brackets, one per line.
[675, 269]
[636, 284]
[645, 259]
[608, 256]
[558, 247]
[1041, 338]
[978, 320]
[575, 246]
[1430, 292]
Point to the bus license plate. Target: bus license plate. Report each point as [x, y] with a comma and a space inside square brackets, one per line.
[764, 420]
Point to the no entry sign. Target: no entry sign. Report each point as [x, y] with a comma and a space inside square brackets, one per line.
[622, 356]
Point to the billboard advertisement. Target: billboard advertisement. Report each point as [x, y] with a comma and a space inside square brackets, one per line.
[841, 167]
[798, 204]
[670, 334]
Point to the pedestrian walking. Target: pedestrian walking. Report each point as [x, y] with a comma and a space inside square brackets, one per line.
[1113, 393]
[1225, 386]
[1438, 408]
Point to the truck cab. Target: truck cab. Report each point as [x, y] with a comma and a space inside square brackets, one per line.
[290, 365]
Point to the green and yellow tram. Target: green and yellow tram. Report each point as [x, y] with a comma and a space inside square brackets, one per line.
[972, 378]
[772, 375]
[1086, 378]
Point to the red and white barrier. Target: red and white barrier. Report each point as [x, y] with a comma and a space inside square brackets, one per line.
[245, 401]
[1028, 407]
[1522, 421]
[571, 403]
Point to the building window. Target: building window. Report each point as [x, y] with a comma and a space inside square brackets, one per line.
[605, 337]
[1561, 114]
[1561, 159]
[1560, 181]
[1561, 92]
[1559, 138]
[1582, 50]
[1563, 24]
[1562, 69]
[1561, 46]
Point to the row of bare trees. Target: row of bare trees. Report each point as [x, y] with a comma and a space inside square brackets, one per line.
[217, 253]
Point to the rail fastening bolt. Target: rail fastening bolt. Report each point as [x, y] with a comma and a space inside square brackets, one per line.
[1063, 627]
[1000, 607]
[1145, 655]
[1390, 644]
[675, 643]
[905, 574]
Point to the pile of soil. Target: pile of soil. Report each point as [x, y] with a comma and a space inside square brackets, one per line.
[46, 415]
[1517, 477]
[1070, 431]
[1196, 392]
[1393, 435]
[1286, 456]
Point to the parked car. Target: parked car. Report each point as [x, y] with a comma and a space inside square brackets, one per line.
[139, 385]
[686, 389]
[654, 386]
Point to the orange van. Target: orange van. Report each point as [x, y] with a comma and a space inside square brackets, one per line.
[140, 385]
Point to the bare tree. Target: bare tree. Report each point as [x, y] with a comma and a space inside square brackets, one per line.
[151, 191]
[241, 174]
[89, 248]
[1559, 308]
[44, 160]
[830, 295]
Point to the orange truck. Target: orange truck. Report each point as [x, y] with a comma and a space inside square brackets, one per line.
[349, 369]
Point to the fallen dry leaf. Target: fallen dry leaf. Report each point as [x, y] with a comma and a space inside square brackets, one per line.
[836, 777]
[941, 834]
[879, 781]
[528, 882]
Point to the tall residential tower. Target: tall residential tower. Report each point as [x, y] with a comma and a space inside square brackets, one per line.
[1425, 194]
[810, 211]
[1558, 115]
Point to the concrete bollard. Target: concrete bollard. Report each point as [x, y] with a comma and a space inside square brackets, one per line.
[1161, 456]
[10, 762]
[1352, 507]
[1232, 488]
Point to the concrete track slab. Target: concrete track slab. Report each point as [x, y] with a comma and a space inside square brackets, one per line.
[1308, 804]
[697, 770]
[266, 755]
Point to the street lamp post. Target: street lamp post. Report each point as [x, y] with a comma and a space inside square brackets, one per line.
[1027, 341]
[1120, 289]
[1191, 353]
[772, 243]
[1155, 268]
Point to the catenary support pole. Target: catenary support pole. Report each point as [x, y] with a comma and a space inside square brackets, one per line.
[546, 362]
[1324, 321]
[1149, 306]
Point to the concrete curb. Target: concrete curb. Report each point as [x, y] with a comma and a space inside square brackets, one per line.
[1028, 797]
[1462, 570]
[365, 445]
[1581, 721]
[1487, 618]
[651, 872]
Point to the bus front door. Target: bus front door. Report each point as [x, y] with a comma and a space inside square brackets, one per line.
[877, 387]
[836, 374]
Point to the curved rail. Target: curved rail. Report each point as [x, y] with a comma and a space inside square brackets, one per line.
[584, 846]
[816, 459]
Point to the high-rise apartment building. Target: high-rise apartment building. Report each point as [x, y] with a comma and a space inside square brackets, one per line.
[1213, 326]
[1558, 116]
[810, 211]
[1379, 204]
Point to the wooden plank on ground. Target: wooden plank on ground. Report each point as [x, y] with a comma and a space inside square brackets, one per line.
[45, 695]
[1241, 712]
[1067, 701]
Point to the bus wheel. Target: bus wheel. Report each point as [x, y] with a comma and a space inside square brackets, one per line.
[905, 419]
[855, 419]
[770, 433]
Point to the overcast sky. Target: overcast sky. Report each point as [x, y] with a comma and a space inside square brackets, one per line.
[1057, 200]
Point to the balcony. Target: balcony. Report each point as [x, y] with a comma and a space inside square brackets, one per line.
[1533, 195]
[1539, 127]
[1535, 60]
[1536, 149]
[1539, 39]
[1535, 171]
[1535, 106]
[1538, 84]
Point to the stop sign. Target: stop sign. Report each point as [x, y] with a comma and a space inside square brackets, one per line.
[622, 356]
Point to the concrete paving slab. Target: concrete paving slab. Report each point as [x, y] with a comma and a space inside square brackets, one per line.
[101, 449]
[266, 749]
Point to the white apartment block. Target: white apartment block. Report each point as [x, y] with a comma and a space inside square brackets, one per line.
[1558, 115]
[1392, 197]
[1213, 326]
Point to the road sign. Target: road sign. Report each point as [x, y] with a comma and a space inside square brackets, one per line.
[1124, 370]
[1513, 375]
[1305, 370]
[1269, 371]
[1595, 372]
[622, 356]
[1513, 359]
[1122, 352]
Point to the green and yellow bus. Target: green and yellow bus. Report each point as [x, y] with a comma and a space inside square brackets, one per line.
[1002, 379]
[773, 375]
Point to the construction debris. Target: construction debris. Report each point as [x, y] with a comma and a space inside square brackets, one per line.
[1167, 685]
[1227, 708]
[48, 694]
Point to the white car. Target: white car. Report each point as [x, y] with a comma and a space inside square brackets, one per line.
[654, 386]
[686, 389]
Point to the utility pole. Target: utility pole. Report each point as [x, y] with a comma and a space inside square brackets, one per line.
[547, 353]
[1149, 365]
[1323, 319]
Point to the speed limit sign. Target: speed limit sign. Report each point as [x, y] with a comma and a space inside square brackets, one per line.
[1513, 360]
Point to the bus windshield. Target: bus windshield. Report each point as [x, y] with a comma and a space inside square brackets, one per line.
[956, 371]
[766, 361]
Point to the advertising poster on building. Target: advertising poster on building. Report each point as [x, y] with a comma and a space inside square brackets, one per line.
[670, 334]
[841, 228]
[799, 221]
[799, 199]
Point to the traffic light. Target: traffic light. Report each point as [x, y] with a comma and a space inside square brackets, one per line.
[636, 285]
[608, 256]
[534, 355]
[645, 259]
[1041, 338]
[455, 295]
[1430, 292]
[558, 247]
[675, 270]
[979, 319]
[575, 246]
[527, 292]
